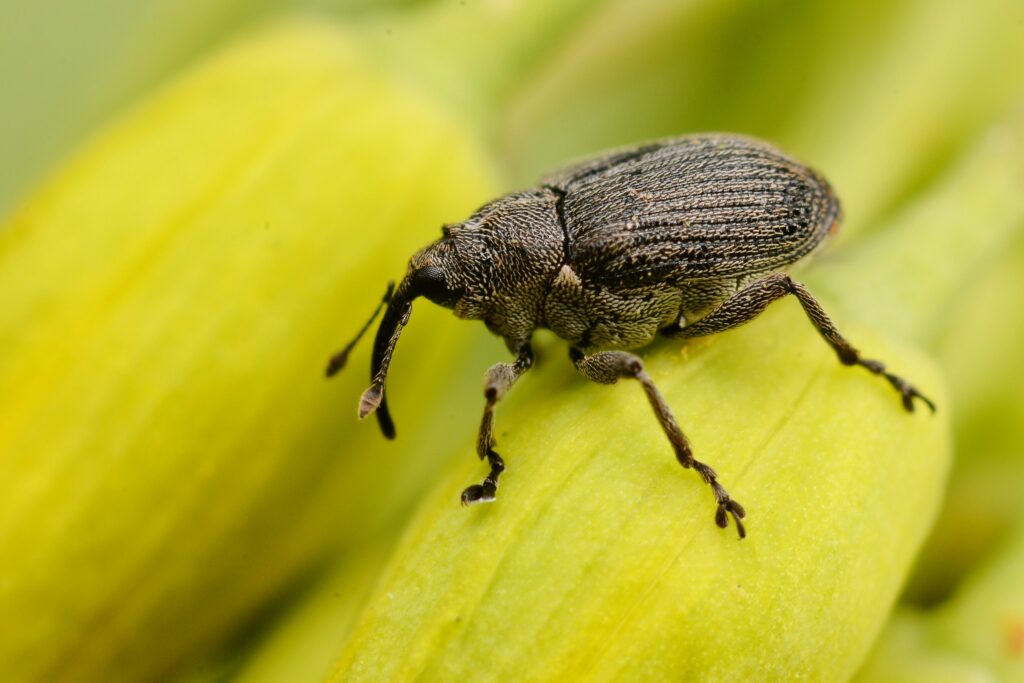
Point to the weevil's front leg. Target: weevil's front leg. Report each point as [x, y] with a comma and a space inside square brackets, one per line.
[499, 379]
[607, 367]
[748, 303]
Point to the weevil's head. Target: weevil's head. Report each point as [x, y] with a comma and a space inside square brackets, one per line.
[497, 264]
[434, 272]
[494, 266]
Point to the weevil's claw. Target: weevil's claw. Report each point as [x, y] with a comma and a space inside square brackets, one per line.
[908, 392]
[731, 507]
[479, 493]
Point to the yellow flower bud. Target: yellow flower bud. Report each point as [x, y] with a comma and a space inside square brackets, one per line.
[600, 559]
[171, 453]
[303, 643]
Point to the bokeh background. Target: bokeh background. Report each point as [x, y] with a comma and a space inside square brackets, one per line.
[913, 108]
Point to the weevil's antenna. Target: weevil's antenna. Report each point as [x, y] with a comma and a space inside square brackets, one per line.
[338, 360]
[395, 318]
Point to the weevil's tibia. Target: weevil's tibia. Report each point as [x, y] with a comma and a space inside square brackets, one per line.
[607, 367]
[338, 360]
[749, 302]
[499, 379]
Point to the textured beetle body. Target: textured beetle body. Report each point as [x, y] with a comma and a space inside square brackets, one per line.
[615, 248]
[686, 236]
[661, 235]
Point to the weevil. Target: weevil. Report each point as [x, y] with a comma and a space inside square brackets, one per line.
[682, 237]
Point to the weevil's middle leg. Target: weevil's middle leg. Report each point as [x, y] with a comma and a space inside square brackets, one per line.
[499, 379]
[748, 303]
[607, 367]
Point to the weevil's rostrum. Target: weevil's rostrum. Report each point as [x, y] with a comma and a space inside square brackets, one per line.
[684, 237]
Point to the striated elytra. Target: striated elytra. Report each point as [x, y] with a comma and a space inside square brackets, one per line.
[684, 237]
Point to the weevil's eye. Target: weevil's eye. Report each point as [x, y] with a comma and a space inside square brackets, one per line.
[429, 281]
[446, 230]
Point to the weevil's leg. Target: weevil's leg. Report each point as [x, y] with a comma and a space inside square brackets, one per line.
[749, 302]
[499, 379]
[607, 367]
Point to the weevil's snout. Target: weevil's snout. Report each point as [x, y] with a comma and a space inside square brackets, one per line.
[395, 318]
[429, 275]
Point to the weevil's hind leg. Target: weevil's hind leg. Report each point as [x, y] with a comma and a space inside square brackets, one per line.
[499, 379]
[607, 367]
[749, 302]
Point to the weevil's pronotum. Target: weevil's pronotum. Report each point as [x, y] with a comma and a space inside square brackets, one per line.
[684, 237]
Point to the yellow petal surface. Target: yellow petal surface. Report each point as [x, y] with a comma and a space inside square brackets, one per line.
[953, 260]
[170, 453]
[985, 619]
[940, 245]
[906, 652]
[600, 559]
[977, 636]
[980, 348]
[303, 645]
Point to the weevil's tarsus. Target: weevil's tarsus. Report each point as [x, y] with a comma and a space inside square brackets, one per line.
[730, 506]
[907, 391]
[487, 491]
[737, 512]
[749, 302]
[497, 382]
[337, 361]
[607, 367]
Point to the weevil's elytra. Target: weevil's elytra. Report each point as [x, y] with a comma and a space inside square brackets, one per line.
[684, 237]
